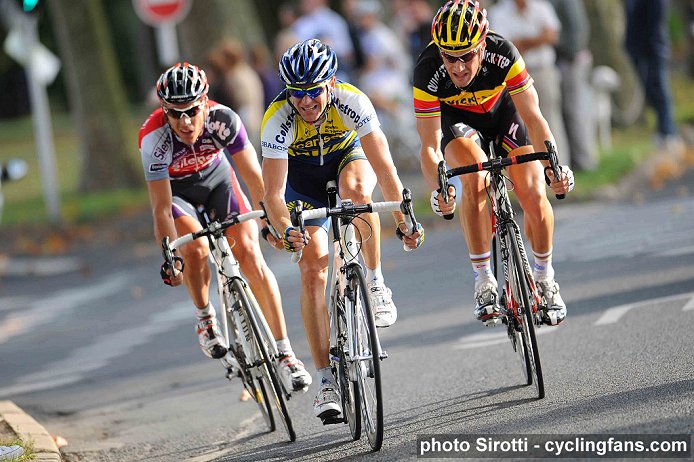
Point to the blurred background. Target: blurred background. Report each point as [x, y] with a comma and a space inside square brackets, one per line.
[77, 80]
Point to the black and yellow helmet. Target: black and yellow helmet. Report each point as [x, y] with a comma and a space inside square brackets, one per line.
[459, 26]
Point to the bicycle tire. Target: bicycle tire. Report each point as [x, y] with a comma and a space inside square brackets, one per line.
[255, 388]
[266, 366]
[369, 371]
[528, 321]
[515, 327]
[349, 391]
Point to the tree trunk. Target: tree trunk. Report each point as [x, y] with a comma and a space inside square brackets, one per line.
[211, 20]
[96, 95]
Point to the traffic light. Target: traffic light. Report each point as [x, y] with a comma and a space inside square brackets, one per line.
[29, 5]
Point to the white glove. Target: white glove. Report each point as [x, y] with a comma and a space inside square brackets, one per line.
[435, 203]
[569, 175]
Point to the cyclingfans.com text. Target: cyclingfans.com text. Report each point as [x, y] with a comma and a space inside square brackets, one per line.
[556, 445]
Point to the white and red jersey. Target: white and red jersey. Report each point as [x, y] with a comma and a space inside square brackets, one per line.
[164, 156]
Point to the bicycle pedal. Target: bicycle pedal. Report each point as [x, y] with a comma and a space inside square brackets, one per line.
[331, 417]
[233, 373]
[492, 322]
[383, 355]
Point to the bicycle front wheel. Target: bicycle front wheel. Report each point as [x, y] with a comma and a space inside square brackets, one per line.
[367, 359]
[244, 356]
[527, 306]
[266, 367]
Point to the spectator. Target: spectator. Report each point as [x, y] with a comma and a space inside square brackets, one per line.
[272, 85]
[420, 13]
[575, 63]
[533, 27]
[385, 77]
[648, 45]
[242, 86]
[320, 22]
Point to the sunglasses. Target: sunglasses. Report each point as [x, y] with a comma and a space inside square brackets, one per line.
[190, 111]
[466, 58]
[299, 93]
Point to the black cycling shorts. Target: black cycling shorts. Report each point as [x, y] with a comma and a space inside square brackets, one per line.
[307, 182]
[504, 128]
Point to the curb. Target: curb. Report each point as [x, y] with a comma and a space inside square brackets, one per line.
[27, 429]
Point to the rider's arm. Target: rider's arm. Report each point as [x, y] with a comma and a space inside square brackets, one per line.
[246, 161]
[528, 105]
[375, 146]
[429, 129]
[161, 200]
[275, 179]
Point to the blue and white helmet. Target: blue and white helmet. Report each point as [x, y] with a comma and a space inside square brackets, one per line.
[308, 62]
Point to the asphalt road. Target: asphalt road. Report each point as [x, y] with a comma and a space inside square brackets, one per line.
[107, 357]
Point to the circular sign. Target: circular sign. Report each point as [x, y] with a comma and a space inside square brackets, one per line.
[157, 12]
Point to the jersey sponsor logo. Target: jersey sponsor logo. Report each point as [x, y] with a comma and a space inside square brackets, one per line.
[364, 121]
[220, 128]
[153, 168]
[285, 126]
[497, 59]
[162, 149]
[434, 82]
[274, 146]
[200, 161]
[512, 131]
[351, 113]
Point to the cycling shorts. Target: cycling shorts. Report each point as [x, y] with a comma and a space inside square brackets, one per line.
[505, 128]
[307, 182]
[215, 190]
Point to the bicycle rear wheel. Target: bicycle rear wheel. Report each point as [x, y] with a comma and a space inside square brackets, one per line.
[367, 360]
[266, 368]
[526, 306]
[255, 388]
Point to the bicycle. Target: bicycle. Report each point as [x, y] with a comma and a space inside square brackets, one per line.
[244, 327]
[355, 349]
[522, 308]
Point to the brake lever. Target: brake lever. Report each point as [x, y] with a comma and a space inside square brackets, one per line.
[443, 186]
[554, 164]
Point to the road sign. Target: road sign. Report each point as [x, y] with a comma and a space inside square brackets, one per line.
[158, 12]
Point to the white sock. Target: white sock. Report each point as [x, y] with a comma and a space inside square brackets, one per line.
[542, 268]
[374, 275]
[482, 268]
[284, 347]
[325, 375]
[206, 312]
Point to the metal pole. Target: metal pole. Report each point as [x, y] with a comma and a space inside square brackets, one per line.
[43, 130]
[167, 44]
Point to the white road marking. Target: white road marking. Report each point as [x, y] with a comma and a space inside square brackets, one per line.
[44, 310]
[612, 315]
[98, 354]
[39, 266]
[492, 338]
[689, 306]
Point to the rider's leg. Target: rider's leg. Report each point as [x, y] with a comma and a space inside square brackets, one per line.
[314, 279]
[196, 277]
[474, 219]
[357, 182]
[244, 240]
[529, 186]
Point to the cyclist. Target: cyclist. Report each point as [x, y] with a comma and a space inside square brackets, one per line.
[320, 129]
[182, 145]
[471, 88]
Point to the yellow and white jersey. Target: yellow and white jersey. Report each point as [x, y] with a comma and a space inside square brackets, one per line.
[285, 135]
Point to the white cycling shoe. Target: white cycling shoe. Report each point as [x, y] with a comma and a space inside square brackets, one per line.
[555, 308]
[293, 373]
[326, 405]
[211, 340]
[381, 298]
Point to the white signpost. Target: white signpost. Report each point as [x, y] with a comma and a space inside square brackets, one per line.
[163, 15]
[22, 44]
